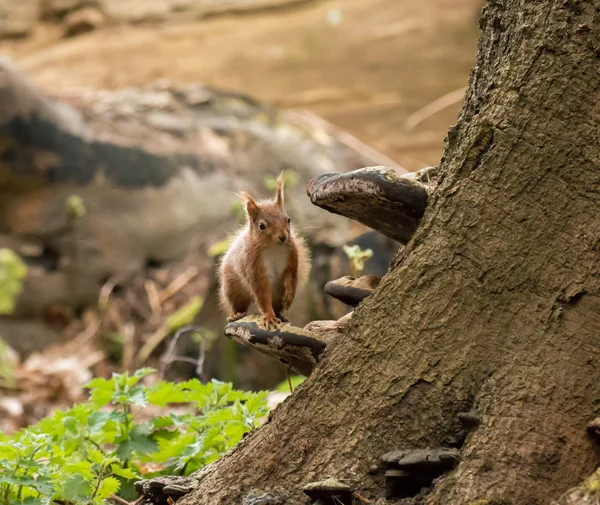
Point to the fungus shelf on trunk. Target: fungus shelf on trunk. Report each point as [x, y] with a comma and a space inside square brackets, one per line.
[376, 197]
[409, 471]
[288, 344]
[350, 290]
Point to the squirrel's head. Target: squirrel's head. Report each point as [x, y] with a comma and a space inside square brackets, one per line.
[268, 221]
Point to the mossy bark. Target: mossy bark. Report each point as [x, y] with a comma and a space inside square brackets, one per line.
[493, 305]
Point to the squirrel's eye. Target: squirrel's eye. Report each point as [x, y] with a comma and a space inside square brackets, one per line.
[262, 225]
[289, 220]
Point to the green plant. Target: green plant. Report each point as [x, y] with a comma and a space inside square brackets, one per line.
[93, 450]
[12, 272]
[357, 258]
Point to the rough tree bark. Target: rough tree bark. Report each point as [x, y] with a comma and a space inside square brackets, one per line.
[493, 305]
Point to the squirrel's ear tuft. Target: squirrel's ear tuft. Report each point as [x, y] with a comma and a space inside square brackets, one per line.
[279, 194]
[251, 205]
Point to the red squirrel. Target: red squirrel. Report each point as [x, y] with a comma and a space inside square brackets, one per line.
[266, 262]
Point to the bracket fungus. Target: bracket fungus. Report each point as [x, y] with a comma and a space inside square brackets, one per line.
[288, 344]
[350, 290]
[409, 471]
[328, 492]
[166, 490]
[375, 196]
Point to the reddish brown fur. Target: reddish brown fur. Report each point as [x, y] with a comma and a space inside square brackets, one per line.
[257, 253]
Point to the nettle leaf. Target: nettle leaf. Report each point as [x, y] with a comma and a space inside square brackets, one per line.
[126, 473]
[95, 456]
[42, 485]
[25, 480]
[100, 421]
[257, 404]
[101, 397]
[167, 392]
[77, 488]
[234, 432]
[222, 416]
[82, 468]
[169, 449]
[139, 375]
[138, 396]
[162, 422]
[197, 393]
[101, 384]
[140, 441]
[8, 453]
[220, 392]
[109, 486]
[212, 437]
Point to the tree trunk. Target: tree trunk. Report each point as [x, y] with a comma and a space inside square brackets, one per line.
[494, 305]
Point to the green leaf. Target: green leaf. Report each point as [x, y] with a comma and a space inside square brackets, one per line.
[83, 468]
[126, 473]
[109, 486]
[139, 442]
[100, 383]
[140, 374]
[76, 488]
[95, 456]
[139, 396]
[98, 421]
[167, 392]
[102, 392]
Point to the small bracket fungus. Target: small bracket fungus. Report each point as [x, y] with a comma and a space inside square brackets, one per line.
[328, 492]
[409, 471]
[470, 419]
[352, 291]
[288, 344]
[165, 490]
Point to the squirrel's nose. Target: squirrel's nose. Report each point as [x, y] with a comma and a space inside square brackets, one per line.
[282, 237]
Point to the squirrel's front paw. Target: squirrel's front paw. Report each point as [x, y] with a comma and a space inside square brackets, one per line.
[270, 320]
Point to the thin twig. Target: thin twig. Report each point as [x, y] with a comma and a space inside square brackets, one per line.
[118, 499]
[153, 297]
[287, 373]
[168, 357]
[433, 108]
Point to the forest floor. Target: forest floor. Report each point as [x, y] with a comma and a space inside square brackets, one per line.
[364, 66]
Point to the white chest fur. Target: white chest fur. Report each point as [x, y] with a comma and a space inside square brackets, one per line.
[274, 259]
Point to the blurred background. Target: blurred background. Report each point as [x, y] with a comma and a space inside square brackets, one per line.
[127, 126]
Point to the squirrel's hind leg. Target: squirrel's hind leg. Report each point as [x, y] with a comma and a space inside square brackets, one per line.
[235, 297]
